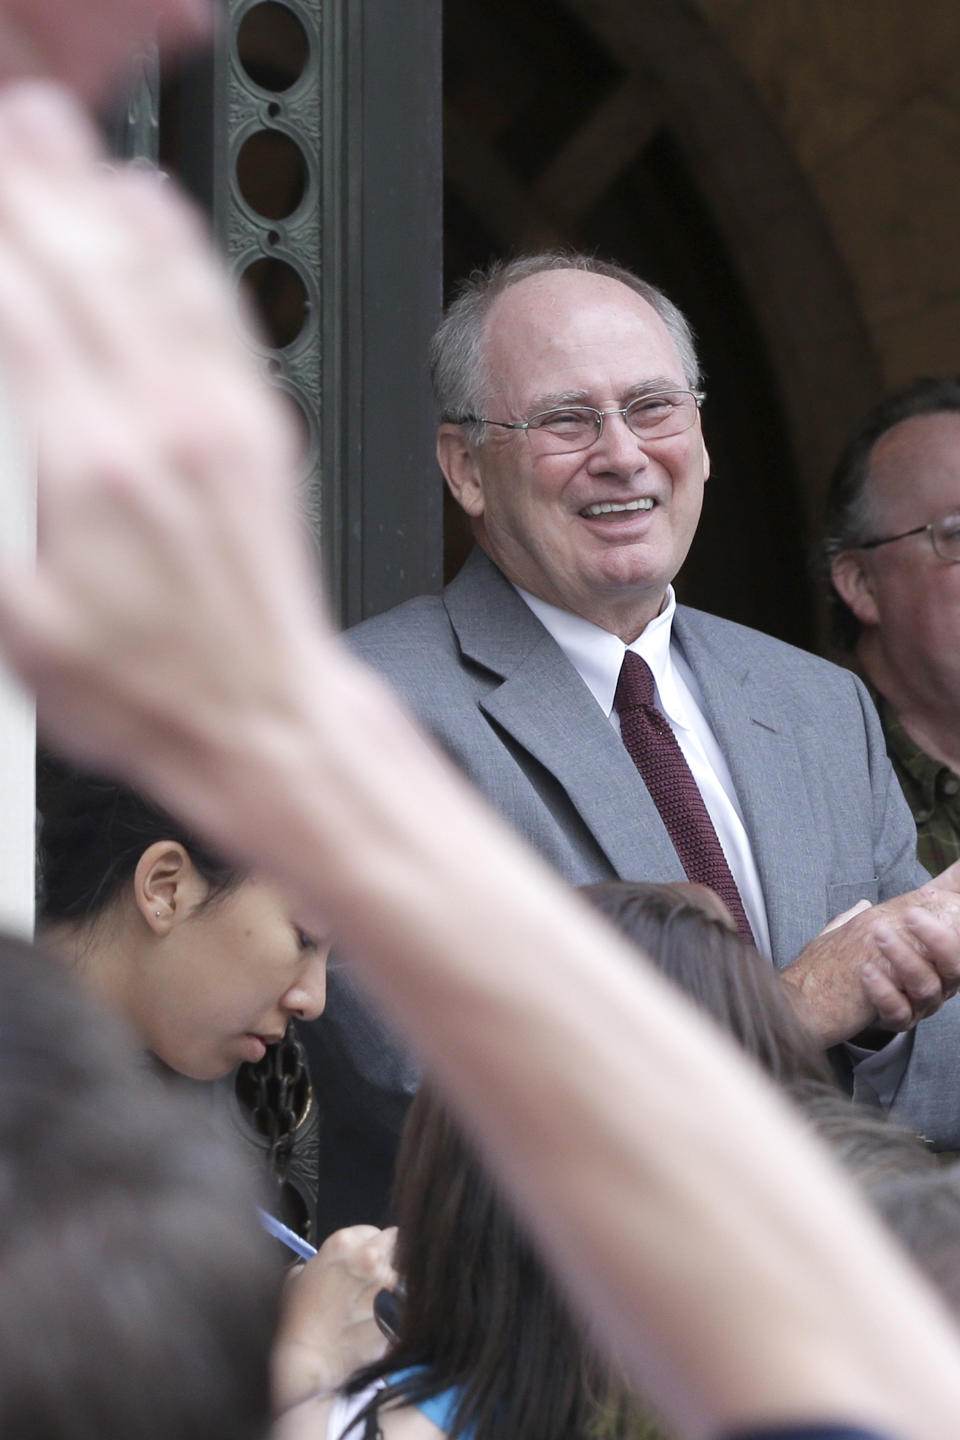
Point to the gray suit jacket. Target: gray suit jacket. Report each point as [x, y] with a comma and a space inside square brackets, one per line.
[825, 815]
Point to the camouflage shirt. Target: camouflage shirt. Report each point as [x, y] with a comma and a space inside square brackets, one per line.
[932, 790]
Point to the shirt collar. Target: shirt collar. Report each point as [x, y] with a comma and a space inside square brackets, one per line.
[907, 755]
[597, 655]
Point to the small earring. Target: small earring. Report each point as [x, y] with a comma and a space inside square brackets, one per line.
[157, 913]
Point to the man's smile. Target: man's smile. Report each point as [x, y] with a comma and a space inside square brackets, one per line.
[616, 507]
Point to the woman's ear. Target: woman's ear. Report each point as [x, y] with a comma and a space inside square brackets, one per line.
[167, 885]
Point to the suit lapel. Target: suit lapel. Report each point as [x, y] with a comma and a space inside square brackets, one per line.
[757, 733]
[544, 706]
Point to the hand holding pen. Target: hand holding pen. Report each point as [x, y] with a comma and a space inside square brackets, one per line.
[328, 1327]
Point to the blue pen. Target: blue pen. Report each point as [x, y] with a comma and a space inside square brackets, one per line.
[290, 1238]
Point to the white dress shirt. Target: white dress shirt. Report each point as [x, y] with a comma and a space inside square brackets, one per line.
[597, 656]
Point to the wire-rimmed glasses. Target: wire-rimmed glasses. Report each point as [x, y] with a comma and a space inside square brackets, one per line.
[569, 428]
[944, 532]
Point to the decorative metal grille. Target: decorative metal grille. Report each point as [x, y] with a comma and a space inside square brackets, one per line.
[269, 195]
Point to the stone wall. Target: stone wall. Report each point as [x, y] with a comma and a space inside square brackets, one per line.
[867, 95]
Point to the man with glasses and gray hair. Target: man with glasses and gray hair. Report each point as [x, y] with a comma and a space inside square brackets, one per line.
[626, 736]
[893, 558]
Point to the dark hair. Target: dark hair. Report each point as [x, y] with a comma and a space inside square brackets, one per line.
[137, 1295]
[849, 518]
[722, 974]
[481, 1313]
[92, 834]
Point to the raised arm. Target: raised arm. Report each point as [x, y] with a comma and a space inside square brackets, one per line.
[173, 635]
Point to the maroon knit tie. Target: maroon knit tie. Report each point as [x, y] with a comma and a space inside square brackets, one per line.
[655, 751]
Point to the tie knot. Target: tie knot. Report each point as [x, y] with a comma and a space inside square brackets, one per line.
[635, 685]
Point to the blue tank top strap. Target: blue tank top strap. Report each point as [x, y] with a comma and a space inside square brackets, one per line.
[438, 1408]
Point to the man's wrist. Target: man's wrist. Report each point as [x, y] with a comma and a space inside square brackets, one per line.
[814, 1005]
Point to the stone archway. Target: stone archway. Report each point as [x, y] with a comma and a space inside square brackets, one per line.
[626, 126]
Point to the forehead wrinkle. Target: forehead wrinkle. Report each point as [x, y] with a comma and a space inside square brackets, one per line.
[555, 399]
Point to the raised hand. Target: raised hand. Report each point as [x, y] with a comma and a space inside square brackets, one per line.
[88, 44]
[166, 465]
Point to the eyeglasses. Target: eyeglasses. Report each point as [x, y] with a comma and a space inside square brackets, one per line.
[577, 427]
[944, 535]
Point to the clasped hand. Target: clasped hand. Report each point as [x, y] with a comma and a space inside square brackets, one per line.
[887, 965]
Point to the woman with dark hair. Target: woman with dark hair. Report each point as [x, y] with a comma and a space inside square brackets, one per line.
[486, 1345]
[685, 930]
[207, 965]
